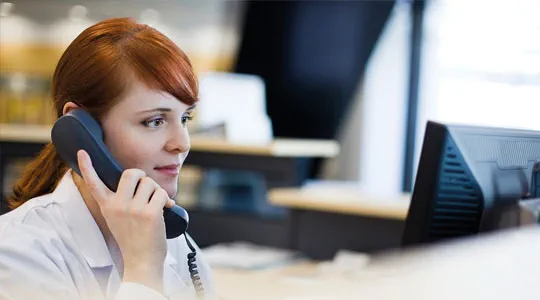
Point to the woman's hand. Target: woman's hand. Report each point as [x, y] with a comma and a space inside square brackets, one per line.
[134, 215]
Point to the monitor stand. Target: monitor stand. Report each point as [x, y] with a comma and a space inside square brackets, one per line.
[529, 209]
[529, 212]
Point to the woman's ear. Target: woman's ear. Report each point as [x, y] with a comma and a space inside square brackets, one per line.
[68, 107]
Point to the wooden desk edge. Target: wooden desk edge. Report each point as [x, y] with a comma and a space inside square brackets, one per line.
[308, 200]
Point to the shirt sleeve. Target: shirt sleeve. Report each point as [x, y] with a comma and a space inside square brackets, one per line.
[136, 291]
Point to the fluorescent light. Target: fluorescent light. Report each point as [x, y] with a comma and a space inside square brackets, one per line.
[77, 13]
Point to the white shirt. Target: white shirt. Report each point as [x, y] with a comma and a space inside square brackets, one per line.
[51, 248]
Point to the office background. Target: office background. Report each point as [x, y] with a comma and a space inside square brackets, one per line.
[367, 74]
[348, 87]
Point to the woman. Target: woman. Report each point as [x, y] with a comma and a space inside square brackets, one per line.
[69, 236]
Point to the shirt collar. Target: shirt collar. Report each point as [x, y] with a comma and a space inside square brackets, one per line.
[84, 228]
[169, 258]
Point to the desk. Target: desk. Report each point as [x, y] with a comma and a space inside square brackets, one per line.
[284, 162]
[499, 266]
[299, 281]
[326, 219]
[343, 201]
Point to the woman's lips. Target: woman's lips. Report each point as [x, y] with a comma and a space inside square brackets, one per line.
[171, 170]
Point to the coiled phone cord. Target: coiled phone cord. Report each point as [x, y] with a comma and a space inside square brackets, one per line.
[193, 272]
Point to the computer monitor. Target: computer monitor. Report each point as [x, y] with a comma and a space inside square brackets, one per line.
[470, 180]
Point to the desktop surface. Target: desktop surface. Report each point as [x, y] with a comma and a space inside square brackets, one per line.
[497, 266]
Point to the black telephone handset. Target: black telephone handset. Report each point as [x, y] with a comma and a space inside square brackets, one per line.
[78, 130]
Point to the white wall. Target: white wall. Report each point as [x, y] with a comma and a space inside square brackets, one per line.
[373, 135]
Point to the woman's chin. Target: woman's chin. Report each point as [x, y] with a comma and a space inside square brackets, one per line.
[170, 185]
[170, 189]
[172, 194]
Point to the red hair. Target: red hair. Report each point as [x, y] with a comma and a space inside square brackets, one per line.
[95, 71]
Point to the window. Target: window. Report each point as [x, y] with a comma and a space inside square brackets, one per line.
[480, 64]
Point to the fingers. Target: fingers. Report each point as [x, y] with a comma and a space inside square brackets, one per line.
[158, 200]
[170, 203]
[134, 186]
[147, 186]
[98, 189]
[128, 183]
[145, 190]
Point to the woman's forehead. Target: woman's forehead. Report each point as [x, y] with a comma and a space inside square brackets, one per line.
[139, 97]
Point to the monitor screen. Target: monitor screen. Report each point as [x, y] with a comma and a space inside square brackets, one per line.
[470, 180]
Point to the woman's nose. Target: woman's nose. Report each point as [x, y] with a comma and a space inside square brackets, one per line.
[178, 140]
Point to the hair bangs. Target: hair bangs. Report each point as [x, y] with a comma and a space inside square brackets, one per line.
[162, 65]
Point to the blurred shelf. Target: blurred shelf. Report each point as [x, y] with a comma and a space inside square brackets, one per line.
[280, 147]
[25, 133]
[30, 58]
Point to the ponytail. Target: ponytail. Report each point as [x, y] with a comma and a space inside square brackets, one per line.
[39, 178]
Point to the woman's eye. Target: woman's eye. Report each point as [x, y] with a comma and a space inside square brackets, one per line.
[154, 123]
[185, 119]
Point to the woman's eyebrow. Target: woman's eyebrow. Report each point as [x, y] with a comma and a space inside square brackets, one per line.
[191, 108]
[159, 109]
